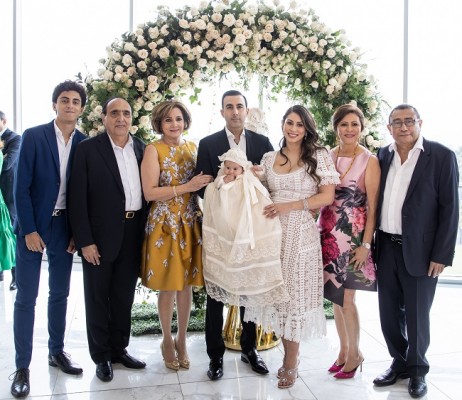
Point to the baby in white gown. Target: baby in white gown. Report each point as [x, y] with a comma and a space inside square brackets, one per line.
[241, 247]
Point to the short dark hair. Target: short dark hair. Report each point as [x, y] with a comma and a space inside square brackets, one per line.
[2, 115]
[232, 93]
[67, 86]
[342, 111]
[162, 109]
[404, 106]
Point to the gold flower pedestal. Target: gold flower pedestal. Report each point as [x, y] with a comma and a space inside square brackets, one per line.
[232, 332]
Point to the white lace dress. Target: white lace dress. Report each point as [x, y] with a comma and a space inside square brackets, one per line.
[302, 316]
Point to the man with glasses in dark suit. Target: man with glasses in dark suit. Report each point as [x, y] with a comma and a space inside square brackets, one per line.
[418, 215]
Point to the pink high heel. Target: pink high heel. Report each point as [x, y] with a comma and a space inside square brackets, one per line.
[350, 374]
[336, 367]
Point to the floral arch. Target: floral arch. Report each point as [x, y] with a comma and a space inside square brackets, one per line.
[291, 51]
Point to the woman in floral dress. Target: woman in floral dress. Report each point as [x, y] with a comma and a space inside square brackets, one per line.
[300, 177]
[171, 257]
[347, 228]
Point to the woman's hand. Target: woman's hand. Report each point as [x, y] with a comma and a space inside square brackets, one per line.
[359, 257]
[199, 181]
[274, 210]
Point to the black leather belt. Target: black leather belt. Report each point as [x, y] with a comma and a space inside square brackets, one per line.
[131, 214]
[395, 238]
[57, 213]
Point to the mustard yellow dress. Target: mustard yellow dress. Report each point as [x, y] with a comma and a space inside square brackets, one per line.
[172, 247]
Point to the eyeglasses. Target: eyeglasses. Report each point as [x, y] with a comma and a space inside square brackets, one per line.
[408, 122]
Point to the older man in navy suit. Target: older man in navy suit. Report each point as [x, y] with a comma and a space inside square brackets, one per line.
[11, 143]
[416, 237]
[234, 111]
[40, 192]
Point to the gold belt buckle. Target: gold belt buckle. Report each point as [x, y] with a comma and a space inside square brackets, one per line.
[129, 214]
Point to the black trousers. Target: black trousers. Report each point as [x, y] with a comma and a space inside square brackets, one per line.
[109, 292]
[404, 302]
[214, 327]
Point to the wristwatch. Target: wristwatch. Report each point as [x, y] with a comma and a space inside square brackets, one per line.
[366, 245]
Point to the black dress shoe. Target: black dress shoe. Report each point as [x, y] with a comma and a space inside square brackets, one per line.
[389, 377]
[417, 387]
[129, 362]
[215, 368]
[253, 358]
[13, 285]
[1, 276]
[104, 371]
[20, 386]
[64, 363]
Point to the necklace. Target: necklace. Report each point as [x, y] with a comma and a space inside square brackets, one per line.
[351, 163]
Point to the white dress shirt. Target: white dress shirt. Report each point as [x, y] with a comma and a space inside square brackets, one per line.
[398, 179]
[129, 173]
[64, 149]
[232, 144]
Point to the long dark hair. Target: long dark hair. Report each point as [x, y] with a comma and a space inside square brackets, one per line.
[309, 144]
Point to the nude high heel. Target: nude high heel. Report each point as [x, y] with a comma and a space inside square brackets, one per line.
[183, 363]
[175, 365]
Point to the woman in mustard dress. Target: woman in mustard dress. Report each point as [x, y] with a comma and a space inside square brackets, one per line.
[172, 248]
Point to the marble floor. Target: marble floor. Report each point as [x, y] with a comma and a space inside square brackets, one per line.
[239, 382]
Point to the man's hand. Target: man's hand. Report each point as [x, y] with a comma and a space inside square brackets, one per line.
[34, 242]
[71, 246]
[435, 269]
[91, 254]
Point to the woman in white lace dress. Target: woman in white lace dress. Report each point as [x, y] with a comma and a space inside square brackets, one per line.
[300, 177]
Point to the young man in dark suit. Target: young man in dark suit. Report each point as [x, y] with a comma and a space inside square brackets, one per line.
[40, 196]
[11, 143]
[234, 111]
[107, 213]
[418, 215]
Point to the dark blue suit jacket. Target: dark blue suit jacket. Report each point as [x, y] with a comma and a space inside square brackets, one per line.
[12, 142]
[430, 212]
[216, 144]
[38, 178]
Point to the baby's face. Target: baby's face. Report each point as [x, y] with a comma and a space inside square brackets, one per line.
[232, 168]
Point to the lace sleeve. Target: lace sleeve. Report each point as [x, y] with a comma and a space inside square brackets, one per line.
[326, 168]
[265, 164]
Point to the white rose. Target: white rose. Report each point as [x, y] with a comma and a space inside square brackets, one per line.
[268, 37]
[163, 53]
[320, 51]
[329, 89]
[333, 82]
[353, 56]
[129, 46]
[293, 5]
[145, 120]
[118, 69]
[369, 140]
[183, 24]
[201, 25]
[339, 63]
[202, 62]
[179, 62]
[127, 60]
[116, 56]
[187, 36]
[142, 66]
[277, 43]
[322, 42]
[326, 64]
[291, 26]
[186, 49]
[218, 8]
[133, 129]
[269, 27]
[143, 53]
[239, 40]
[148, 106]
[313, 47]
[283, 35]
[141, 41]
[153, 32]
[174, 87]
[229, 20]
[330, 53]
[314, 84]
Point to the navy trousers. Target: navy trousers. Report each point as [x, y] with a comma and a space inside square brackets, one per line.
[28, 265]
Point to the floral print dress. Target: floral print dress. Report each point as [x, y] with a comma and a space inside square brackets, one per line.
[172, 247]
[342, 226]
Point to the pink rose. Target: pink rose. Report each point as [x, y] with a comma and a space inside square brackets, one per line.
[359, 220]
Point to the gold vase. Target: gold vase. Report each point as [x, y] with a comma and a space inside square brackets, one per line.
[233, 329]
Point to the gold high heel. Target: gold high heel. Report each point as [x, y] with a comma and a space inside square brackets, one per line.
[175, 365]
[183, 363]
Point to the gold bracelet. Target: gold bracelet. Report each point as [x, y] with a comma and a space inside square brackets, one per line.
[174, 191]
